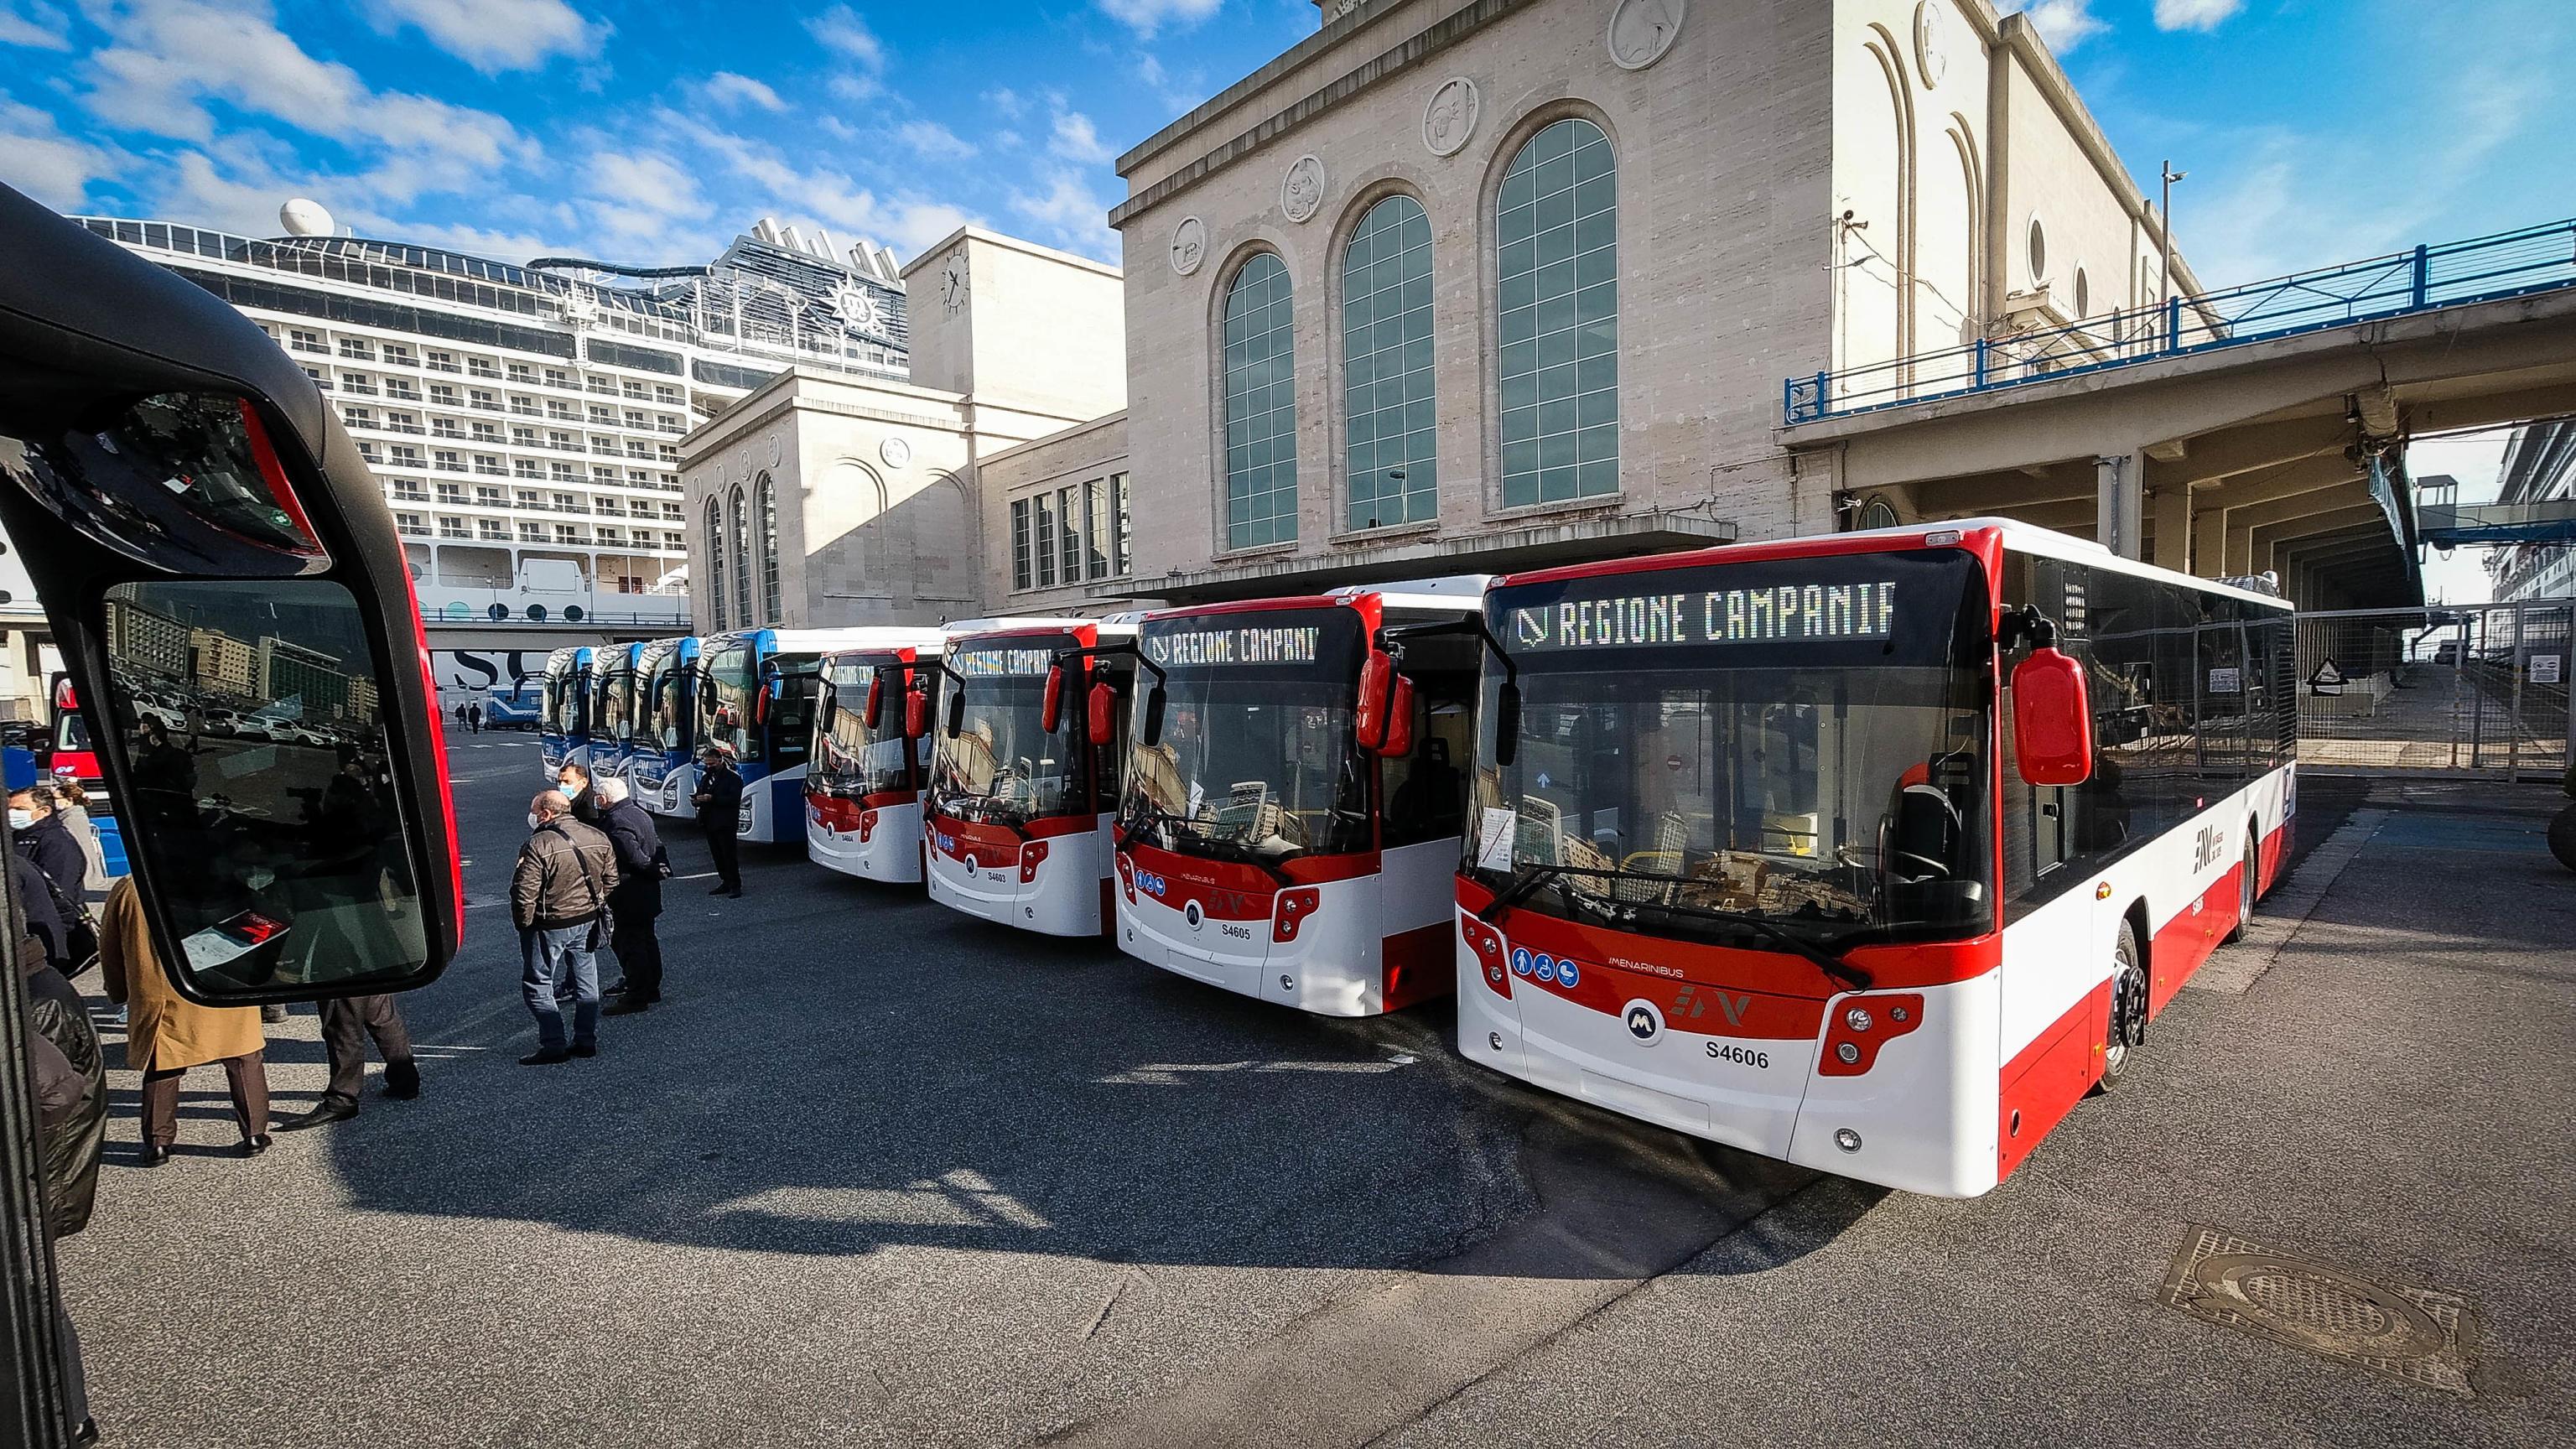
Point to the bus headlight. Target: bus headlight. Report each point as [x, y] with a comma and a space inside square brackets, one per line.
[1849, 1052]
[1858, 1019]
[1846, 1139]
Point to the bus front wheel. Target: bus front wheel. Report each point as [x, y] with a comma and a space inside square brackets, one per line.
[2128, 1025]
[2244, 894]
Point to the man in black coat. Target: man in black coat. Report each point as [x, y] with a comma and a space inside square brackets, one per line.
[719, 802]
[637, 900]
[71, 1123]
[36, 822]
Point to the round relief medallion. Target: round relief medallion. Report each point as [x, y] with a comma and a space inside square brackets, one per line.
[1301, 191]
[1931, 42]
[777, 449]
[1189, 245]
[1450, 117]
[895, 452]
[1642, 30]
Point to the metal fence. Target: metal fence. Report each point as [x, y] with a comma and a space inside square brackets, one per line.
[2478, 689]
[2440, 274]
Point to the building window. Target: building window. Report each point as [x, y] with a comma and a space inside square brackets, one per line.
[1020, 543]
[1043, 541]
[1556, 228]
[1119, 561]
[1069, 524]
[1386, 365]
[768, 549]
[2038, 251]
[715, 567]
[1095, 528]
[741, 535]
[1260, 407]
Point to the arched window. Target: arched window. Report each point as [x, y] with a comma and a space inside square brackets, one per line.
[1556, 228]
[715, 567]
[741, 561]
[1386, 366]
[768, 550]
[1260, 407]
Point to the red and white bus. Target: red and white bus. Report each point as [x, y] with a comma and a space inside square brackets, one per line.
[1263, 845]
[1872, 852]
[863, 779]
[1018, 802]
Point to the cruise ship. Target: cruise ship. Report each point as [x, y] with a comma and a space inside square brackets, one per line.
[525, 418]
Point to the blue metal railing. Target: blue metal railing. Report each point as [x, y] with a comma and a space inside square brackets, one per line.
[2447, 274]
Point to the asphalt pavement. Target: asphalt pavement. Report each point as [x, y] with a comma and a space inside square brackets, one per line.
[878, 1174]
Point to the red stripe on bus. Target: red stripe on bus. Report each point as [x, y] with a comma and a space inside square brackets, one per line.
[2045, 1079]
[1420, 964]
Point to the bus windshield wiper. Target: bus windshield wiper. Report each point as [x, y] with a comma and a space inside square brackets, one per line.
[1529, 877]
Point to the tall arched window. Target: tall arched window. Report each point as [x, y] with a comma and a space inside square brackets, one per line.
[741, 561]
[1556, 226]
[1386, 366]
[768, 550]
[1260, 407]
[715, 567]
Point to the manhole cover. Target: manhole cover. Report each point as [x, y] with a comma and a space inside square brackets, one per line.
[2418, 1335]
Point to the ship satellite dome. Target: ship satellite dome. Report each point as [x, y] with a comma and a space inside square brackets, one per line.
[304, 217]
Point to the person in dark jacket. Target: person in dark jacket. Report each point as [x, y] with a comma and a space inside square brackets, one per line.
[558, 892]
[637, 901]
[719, 802]
[474, 718]
[36, 823]
[35, 901]
[574, 781]
[71, 1126]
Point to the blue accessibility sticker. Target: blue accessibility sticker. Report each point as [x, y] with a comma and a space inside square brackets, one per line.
[1521, 962]
[1547, 968]
[1566, 972]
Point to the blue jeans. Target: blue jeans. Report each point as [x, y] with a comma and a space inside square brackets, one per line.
[550, 954]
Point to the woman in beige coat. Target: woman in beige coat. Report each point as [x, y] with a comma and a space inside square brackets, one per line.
[166, 1033]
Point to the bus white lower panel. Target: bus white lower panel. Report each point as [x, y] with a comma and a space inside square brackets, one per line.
[889, 851]
[1064, 898]
[1332, 968]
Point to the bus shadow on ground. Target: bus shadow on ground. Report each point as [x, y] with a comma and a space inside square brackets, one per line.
[877, 1072]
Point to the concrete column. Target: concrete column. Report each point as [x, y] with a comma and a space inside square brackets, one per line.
[2209, 542]
[2172, 508]
[2119, 490]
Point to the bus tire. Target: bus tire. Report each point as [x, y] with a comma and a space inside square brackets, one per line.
[2126, 1031]
[2245, 893]
[2562, 837]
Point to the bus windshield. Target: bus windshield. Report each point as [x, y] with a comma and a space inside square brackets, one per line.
[851, 759]
[663, 699]
[1000, 766]
[566, 690]
[614, 716]
[1256, 756]
[1798, 741]
[725, 705]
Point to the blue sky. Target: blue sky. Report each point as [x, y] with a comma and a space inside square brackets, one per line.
[2314, 130]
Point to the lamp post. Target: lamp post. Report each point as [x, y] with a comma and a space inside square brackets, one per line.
[2164, 227]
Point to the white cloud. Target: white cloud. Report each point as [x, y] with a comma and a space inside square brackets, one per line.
[1006, 101]
[38, 159]
[1148, 16]
[725, 88]
[1076, 140]
[841, 31]
[833, 198]
[2066, 24]
[1178, 94]
[648, 180]
[1071, 213]
[496, 35]
[935, 142]
[2195, 14]
[34, 24]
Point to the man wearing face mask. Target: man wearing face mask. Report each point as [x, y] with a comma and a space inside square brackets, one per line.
[574, 781]
[558, 899]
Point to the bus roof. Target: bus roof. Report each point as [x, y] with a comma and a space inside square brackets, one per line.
[2007, 534]
[1459, 595]
[1110, 626]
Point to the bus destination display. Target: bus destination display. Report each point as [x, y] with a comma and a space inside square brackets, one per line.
[1244, 644]
[1786, 613]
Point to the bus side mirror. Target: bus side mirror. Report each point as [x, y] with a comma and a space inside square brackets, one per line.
[916, 714]
[1152, 730]
[760, 703]
[956, 712]
[1377, 680]
[2052, 720]
[876, 700]
[1399, 720]
[1104, 713]
[1051, 703]
[1507, 723]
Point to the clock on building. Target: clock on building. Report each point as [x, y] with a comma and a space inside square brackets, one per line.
[952, 281]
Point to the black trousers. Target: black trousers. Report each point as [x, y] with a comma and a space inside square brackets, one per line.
[727, 849]
[346, 1023]
[639, 955]
[246, 1075]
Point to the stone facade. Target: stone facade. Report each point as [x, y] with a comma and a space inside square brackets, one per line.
[1800, 185]
[862, 502]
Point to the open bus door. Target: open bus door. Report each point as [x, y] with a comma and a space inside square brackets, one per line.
[208, 546]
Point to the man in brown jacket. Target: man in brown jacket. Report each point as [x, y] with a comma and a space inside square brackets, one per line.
[559, 901]
[166, 1033]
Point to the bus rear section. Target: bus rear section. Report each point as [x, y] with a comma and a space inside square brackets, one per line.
[1261, 845]
[661, 767]
[563, 710]
[864, 776]
[1017, 819]
[1741, 862]
[613, 673]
